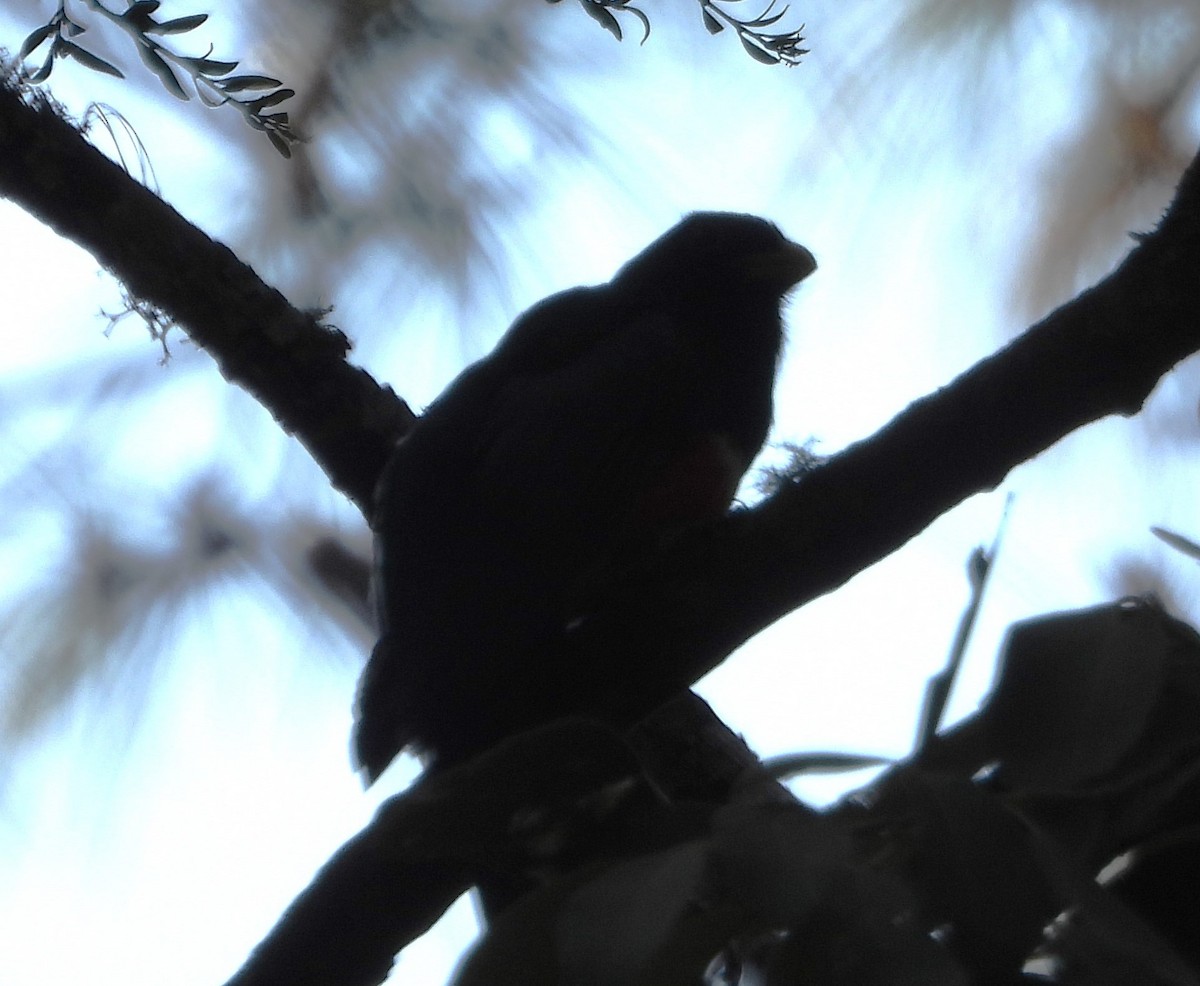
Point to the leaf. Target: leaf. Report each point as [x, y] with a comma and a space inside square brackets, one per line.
[68, 49]
[711, 24]
[1075, 691]
[1076, 696]
[610, 922]
[1178, 542]
[34, 40]
[273, 99]
[757, 53]
[766, 20]
[43, 73]
[212, 67]
[138, 15]
[603, 16]
[973, 864]
[645, 22]
[179, 25]
[639, 916]
[279, 143]
[240, 83]
[210, 98]
[165, 73]
[775, 862]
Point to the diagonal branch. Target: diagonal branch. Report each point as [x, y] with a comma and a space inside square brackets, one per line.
[289, 362]
[499, 813]
[1100, 354]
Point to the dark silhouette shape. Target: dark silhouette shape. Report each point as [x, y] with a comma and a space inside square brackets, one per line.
[606, 418]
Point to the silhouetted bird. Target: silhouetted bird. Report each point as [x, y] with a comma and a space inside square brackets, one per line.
[605, 418]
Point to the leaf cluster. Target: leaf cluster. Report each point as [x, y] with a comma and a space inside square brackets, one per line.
[761, 44]
[988, 857]
[768, 47]
[215, 85]
[974, 862]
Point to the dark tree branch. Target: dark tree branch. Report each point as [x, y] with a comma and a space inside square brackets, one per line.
[550, 787]
[1098, 355]
[289, 362]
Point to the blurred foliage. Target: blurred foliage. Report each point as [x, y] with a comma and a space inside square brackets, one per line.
[976, 861]
[100, 621]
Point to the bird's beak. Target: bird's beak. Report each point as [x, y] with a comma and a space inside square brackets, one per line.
[783, 267]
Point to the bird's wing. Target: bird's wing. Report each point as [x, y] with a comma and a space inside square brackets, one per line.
[555, 332]
[591, 422]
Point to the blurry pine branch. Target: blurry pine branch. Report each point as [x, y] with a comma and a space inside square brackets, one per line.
[102, 619]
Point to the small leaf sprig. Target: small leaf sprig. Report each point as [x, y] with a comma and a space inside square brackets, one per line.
[601, 11]
[252, 95]
[768, 47]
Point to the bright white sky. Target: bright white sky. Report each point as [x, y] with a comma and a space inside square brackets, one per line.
[162, 851]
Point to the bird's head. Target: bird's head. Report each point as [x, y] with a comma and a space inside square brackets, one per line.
[719, 253]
